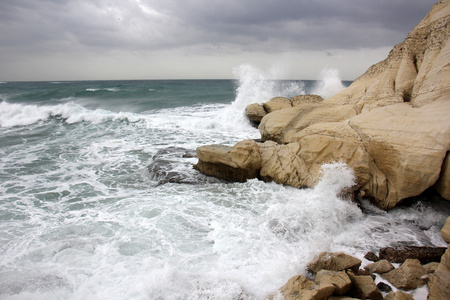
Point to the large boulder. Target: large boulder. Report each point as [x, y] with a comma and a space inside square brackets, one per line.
[334, 262]
[277, 103]
[408, 153]
[408, 276]
[301, 288]
[439, 282]
[274, 125]
[380, 267]
[364, 287]
[399, 295]
[424, 254]
[255, 112]
[445, 231]
[443, 184]
[237, 163]
[293, 120]
[339, 280]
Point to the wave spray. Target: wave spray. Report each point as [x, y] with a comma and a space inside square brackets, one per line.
[330, 83]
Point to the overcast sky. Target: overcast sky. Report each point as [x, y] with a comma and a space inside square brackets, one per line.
[184, 39]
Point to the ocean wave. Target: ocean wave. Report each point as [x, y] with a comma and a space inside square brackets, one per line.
[13, 114]
[257, 86]
[112, 89]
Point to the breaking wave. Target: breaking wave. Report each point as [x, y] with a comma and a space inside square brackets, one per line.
[257, 86]
[13, 114]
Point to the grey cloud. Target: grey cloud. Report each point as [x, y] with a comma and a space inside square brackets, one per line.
[249, 25]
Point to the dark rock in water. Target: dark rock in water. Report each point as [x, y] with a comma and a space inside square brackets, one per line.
[384, 287]
[371, 256]
[173, 165]
[423, 254]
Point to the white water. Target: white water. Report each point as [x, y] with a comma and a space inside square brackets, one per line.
[81, 219]
[329, 84]
[258, 86]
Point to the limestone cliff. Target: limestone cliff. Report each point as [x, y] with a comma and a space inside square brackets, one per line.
[392, 126]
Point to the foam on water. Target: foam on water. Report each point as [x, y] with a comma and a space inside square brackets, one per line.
[257, 86]
[113, 89]
[254, 85]
[180, 243]
[13, 114]
[82, 219]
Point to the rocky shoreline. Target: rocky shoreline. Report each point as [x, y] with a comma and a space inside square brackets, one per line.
[392, 127]
[338, 276]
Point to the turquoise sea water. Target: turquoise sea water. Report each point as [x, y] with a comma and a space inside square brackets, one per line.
[99, 200]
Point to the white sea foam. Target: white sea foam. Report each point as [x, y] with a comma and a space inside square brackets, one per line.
[80, 221]
[329, 84]
[18, 114]
[13, 114]
[112, 89]
[257, 86]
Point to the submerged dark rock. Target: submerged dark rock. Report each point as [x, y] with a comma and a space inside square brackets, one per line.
[174, 165]
[371, 256]
[423, 254]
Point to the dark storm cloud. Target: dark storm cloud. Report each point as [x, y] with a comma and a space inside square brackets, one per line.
[232, 25]
[307, 24]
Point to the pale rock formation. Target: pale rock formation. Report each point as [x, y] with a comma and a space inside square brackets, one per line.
[408, 276]
[301, 288]
[443, 184]
[334, 262]
[407, 145]
[277, 103]
[392, 125]
[272, 127]
[431, 267]
[339, 280]
[445, 231]
[255, 112]
[342, 285]
[380, 267]
[439, 282]
[399, 295]
[237, 163]
[302, 99]
[415, 71]
[364, 287]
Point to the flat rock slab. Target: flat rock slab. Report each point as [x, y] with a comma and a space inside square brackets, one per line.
[423, 254]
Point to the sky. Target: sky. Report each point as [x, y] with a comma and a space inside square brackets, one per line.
[198, 39]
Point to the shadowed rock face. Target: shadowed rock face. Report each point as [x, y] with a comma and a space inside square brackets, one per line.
[391, 126]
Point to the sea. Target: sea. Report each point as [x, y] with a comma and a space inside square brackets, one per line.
[99, 198]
